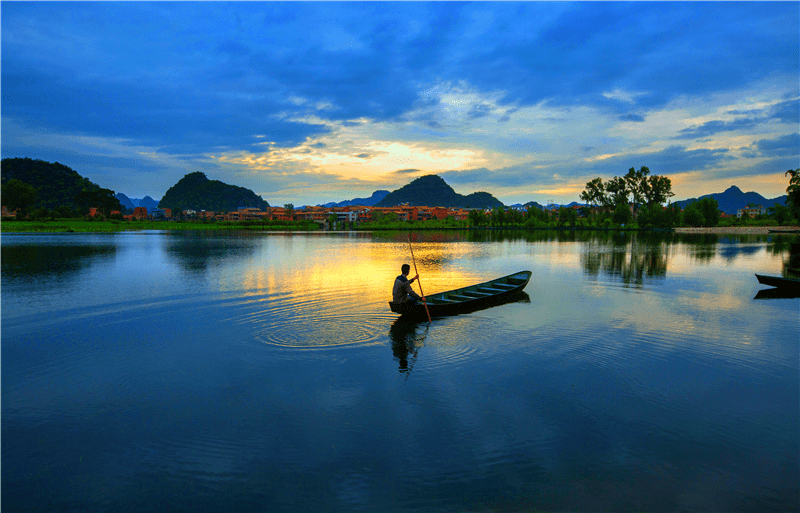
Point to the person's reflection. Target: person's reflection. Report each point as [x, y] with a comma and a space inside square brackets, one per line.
[404, 338]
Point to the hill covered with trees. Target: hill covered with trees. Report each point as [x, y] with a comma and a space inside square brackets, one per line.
[196, 192]
[30, 184]
[433, 191]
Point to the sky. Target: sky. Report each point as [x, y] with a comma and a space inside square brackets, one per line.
[306, 102]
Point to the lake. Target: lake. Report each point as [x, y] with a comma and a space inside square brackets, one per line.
[175, 371]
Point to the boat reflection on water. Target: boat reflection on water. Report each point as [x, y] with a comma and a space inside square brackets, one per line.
[409, 332]
[776, 293]
[786, 286]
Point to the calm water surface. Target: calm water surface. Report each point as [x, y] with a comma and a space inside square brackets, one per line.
[160, 371]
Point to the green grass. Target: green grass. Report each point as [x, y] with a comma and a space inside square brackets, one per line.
[80, 225]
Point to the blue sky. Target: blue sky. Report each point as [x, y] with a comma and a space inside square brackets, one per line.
[308, 102]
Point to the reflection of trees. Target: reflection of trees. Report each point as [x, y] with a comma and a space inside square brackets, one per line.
[791, 264]
[34, 261]
[787, 247]
[195, 251]
[628, 257]
[702, 247]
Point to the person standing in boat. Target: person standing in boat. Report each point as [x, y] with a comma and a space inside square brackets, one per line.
[402, 291]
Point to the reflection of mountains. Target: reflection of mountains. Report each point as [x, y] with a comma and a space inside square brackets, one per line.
[196, 251]
[58, 262]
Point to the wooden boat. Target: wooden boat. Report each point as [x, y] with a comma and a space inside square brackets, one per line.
[467, 299]
[779, 282]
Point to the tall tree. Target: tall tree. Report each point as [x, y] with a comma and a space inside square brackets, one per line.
[692, 215]
[709, 208]
[477, 217]
[595, 193]
[658, 190]
[17, 194]
[617, 189]
[635, 189]
[107, 201]
[636, 185]
[793, 191]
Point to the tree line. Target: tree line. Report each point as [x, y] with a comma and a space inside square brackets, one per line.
[636, 200]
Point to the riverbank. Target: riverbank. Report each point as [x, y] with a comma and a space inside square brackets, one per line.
[737, 230]
[77, 225]
[84, 226]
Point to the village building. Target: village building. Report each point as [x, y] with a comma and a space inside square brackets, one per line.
[751, 211]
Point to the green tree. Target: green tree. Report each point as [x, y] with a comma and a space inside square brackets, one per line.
[498, 216]
[658, 190]
[99, 198]
[622, 213]
[672, 216]
[595, 194]
[692, 215]
[781, 214]
[636, 188]
[793, 192]
[476, 217]
[107, 202]
[636, 185]
[289, 210]
[17, 194]
[709, 208]
[617, 189]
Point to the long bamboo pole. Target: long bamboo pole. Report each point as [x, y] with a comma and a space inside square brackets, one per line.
[424, 302]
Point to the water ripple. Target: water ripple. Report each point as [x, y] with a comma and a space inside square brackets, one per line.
[324, 319]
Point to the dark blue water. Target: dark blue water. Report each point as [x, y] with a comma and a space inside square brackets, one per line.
[165, 371]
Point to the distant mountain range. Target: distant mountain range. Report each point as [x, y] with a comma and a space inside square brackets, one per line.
[131, 203]
[433, 191]
[58, 185]
[367, 202]
[733, 199]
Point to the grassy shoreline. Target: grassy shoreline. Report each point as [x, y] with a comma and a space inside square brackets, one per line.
[110, 226]
[737, 230]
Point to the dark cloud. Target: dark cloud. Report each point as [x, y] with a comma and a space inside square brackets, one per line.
[662, 50]
[479, 111]
[237, 63]
[786, 146]
[785, 112]
[710, 128]
[632, 117]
